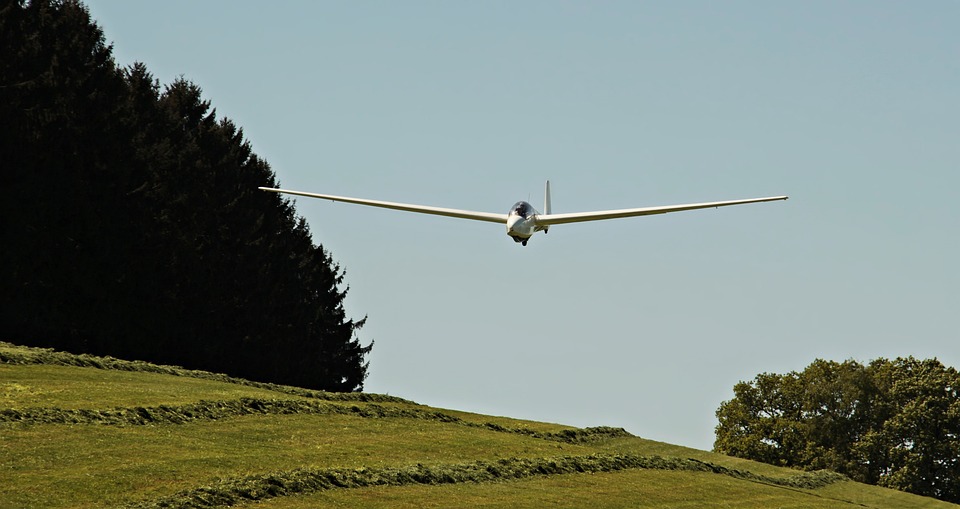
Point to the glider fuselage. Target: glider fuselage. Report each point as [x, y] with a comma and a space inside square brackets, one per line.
[522, 222]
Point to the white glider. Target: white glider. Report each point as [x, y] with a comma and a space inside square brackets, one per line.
[523, 220]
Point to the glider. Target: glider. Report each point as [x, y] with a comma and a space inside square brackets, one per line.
[523, 220]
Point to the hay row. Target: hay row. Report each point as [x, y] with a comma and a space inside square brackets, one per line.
[223, 409]
[21, 355]
[228, 492]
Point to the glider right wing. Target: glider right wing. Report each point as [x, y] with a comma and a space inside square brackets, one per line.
[576, 217]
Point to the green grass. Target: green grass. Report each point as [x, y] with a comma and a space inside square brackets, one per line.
[84, 388]
[304, 443]
[105, 463]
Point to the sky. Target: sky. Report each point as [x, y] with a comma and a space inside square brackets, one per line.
[850, 108]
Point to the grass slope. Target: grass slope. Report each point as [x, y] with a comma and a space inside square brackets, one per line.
[83, 431]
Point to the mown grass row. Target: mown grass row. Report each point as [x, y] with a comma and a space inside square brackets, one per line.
[223, 409]
[254, 488]
[18, 355]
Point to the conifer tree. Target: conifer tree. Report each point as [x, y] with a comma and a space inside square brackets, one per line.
[133, 225]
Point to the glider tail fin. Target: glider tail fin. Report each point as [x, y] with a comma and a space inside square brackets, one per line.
[546, 203]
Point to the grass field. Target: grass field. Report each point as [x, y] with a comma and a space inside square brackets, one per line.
[81, 431]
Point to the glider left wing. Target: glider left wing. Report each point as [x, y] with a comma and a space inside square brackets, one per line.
[423, 209]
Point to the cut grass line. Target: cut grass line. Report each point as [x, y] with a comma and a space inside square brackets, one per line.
[229, 492]
[21, 355]
[223, 409]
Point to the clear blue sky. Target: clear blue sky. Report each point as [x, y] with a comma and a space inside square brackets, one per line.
[851, 108]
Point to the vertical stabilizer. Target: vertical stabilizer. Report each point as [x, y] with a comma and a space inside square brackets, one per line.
[546, 205]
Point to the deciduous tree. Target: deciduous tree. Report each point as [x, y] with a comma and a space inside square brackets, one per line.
[893, 423]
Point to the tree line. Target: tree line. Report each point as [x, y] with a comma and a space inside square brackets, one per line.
[893, 423]
[132, 224]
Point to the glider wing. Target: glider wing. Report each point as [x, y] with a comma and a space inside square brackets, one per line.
[423, 209]
[576, 217]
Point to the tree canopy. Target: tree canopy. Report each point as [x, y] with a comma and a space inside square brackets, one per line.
[132, 224]
[895, 423]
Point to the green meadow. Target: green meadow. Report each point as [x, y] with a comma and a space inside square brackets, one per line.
[82, 431]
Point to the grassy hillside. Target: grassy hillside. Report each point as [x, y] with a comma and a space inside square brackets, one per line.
[82, 431]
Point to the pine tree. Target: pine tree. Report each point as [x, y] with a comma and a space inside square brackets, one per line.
[135, 226]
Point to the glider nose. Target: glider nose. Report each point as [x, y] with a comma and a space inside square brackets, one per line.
[512, 221]
[519, 228]
[517, 224]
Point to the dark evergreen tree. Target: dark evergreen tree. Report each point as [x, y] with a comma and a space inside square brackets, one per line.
[58, 86]
[133, 225]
